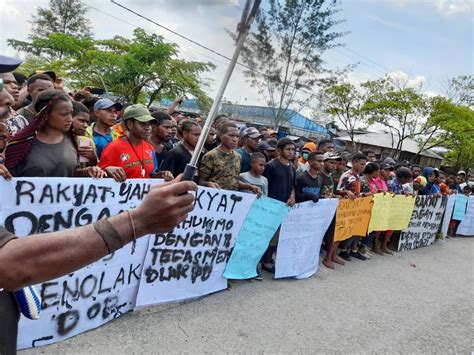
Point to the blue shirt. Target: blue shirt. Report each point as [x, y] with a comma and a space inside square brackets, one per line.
[245, 166]
[101, 141]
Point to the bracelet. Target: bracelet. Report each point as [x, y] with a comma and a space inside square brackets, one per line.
[134, 242]
[109, 235]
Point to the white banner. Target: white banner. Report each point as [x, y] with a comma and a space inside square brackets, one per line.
[448, 213]
[466, 227]
[424, 223]
[301, 236]
[95, 294]
[189, 261]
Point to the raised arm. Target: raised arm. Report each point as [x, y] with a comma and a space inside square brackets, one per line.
[37, 258]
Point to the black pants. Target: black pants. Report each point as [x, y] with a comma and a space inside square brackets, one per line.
[350, 243]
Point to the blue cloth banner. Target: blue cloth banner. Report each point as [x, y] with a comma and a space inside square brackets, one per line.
[263, 220]
[460, 207]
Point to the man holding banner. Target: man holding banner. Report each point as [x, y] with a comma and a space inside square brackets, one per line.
[34, 259]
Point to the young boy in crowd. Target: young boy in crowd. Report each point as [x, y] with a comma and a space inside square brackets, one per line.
[350, 181]
[281, 176]
[341, 168]
[80, 122]
[250, 138]
[177, 158]
[220, 168]
[132, 156]
[327, 187]
[105, 111]
[161, 135]
[254, 175]
[309, 183]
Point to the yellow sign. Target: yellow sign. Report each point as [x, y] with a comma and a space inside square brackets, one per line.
[352, 218]
[391, 212]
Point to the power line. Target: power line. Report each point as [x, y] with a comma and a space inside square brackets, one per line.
[137, 26]
[201, 45]
[370, 60]
[170, 30]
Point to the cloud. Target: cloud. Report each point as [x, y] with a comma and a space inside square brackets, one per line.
[444, 7]
[411, 81]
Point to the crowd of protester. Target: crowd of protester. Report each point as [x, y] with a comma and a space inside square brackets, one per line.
[48, 132]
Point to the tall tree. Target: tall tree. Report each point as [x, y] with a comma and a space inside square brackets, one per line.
[461, 90]
[451, 127]
[139, 69]
[283, 54]
[62, 16]
[345, 103]
[402, 110]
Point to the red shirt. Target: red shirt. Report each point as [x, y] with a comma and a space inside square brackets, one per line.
[132, 159]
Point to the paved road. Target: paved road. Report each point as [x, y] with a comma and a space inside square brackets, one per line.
[381, 305]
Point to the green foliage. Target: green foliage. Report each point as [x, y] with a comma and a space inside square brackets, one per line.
[454, 129]
[461, 90]
[66, 17]
[141, 69]
[344, 102]
[402, 110]
[286, 48]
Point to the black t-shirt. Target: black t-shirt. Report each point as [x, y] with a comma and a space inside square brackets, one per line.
[281, 180]
[176, 160]
[9, 313]
[307, 187]
[327, 183]
[211, 146]
[160, 157]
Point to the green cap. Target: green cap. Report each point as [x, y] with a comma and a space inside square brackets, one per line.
[137, 112]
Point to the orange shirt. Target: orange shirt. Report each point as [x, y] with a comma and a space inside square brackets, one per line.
[137, 161]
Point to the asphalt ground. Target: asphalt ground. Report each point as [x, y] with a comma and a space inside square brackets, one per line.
[418, 301]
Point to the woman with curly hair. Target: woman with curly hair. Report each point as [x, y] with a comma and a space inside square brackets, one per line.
[47, 147]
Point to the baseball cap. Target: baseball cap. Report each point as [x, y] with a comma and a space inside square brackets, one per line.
[265, 146]
[390, 161]
[104, 104]
[251, 132]
[461, 172]
[137, 112]
[272, 132]
[421, 180]
[49, 73]
[331, 156]
[386, 165]
[8, 64]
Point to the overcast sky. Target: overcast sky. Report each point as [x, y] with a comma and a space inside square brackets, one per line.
[422, 40]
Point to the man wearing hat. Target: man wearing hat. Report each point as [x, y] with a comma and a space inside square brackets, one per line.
[327, 187]
[105, 110]
[250, 139]
[132, 156]
[267, 150]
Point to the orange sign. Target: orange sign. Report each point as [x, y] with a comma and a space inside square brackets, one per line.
[352, 218]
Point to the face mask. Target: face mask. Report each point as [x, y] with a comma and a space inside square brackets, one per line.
[305, 156]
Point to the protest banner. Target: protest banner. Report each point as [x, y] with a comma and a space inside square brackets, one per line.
[352, 218]
[401, 210]
[425, 222]
[391, 212]
[264, 218]
[448, 213]
[460, 205]
[95, 294]
[466, 227]
[190, 260]
[379, 217]
[301, 236]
